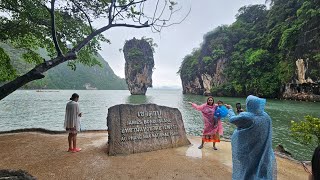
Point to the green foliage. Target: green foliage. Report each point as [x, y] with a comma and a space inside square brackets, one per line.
[218, 53]
[207, 59]
[189, 66]
[317, 57]
[32, 57]
[28, 25]
[289, 38]
[255, 56]
[222, 90]
[307, 131]
[151, 43]
[7, 72]
[284, 71]
[135, 54]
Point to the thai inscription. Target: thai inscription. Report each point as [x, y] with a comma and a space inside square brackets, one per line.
[142, 128]
[147, 127]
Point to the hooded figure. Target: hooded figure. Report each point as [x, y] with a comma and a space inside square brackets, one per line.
[252, 154]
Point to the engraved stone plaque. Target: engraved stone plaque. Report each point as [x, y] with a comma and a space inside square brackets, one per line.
[143, 128]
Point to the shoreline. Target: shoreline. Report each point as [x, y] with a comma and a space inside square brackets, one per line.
[46, 131]
[305, 97]
[53, 132]
[44, 155]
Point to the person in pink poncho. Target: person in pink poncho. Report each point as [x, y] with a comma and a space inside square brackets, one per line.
[210, 133]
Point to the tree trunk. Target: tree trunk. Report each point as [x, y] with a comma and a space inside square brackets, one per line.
[35, 74]
[10, 87]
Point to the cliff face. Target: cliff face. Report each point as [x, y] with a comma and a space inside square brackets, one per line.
[139, 65]
[204, 69]
[203, 82]
[305, 83]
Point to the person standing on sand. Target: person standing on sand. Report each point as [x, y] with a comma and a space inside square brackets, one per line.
[210, 133]
[251, 142]
[72, 122]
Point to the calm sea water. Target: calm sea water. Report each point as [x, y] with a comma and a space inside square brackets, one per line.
[31, 109]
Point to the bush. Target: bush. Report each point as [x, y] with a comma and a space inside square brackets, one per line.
[307, 132]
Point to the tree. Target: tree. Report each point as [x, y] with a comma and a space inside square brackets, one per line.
[307, 132]
[64, 29]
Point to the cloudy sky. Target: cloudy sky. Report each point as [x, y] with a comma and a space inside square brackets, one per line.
[176, 41]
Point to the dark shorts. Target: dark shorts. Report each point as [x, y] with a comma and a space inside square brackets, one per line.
[72, 130]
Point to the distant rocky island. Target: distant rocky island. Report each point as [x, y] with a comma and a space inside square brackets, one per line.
[139, 65]
[270, 52]
[62, 77]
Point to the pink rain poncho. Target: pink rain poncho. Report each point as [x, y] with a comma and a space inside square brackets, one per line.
[210, 133]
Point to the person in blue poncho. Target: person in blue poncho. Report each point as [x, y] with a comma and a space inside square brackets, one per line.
[252, 154]
[220, 112]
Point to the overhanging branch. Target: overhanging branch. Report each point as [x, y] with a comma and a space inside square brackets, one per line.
[130, 3]
[53, 28]
[88, 18]
[110, 17]
[131, 25]
[99, 31]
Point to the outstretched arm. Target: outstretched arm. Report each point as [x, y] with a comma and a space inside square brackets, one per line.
[243, 120]
[197, 107]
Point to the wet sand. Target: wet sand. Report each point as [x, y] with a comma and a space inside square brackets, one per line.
[45, 156]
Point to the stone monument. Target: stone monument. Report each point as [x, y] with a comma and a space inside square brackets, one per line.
[143, 128]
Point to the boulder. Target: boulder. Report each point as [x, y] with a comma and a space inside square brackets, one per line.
[15, 175]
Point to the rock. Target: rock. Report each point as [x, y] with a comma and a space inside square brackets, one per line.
[143, 128]
[279, 148]
[15, 175]
[301, 71]
[302, 87]
[304, 92]
[192, 87]
[138, 55]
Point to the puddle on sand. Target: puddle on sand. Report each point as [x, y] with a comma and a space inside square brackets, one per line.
[193, 151]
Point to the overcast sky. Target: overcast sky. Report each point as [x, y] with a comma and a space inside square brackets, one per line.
[176, 41]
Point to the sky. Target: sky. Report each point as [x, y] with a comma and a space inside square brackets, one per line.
[174, 42]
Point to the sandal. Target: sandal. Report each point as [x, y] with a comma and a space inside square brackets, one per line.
[200, 147]
[215, 148]
[76, 150]
[70, 150]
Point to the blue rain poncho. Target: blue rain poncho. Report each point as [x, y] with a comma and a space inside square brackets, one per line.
[252, 154]
[221, 112]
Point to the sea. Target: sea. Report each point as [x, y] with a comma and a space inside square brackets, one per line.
[46, 108]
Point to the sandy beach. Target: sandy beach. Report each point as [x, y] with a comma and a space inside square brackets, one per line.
[45, 156]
